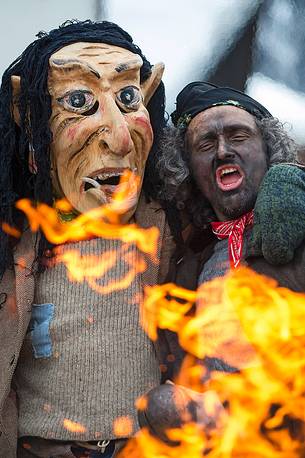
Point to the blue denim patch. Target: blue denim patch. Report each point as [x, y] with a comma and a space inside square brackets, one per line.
[39, 328]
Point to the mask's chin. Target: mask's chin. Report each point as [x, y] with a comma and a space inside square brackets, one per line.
[121, 209]
[93, 194]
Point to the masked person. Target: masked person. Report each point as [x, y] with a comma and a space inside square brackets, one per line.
[79, 107]
[226, 162]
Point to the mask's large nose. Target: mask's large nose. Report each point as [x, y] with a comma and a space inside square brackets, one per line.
[114, 132]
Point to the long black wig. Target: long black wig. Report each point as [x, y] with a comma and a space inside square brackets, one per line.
[34, 105]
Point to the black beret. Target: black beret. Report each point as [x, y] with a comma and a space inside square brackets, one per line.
[199, 96]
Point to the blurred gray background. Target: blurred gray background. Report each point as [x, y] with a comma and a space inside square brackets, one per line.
[256, 45]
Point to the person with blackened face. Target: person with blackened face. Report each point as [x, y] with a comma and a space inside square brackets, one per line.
[227, 158]
[237, 196]
[228, 150]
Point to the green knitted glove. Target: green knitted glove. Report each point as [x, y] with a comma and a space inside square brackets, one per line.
[279, 215]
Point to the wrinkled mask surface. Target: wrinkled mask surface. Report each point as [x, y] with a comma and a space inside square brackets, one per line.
[99, 123]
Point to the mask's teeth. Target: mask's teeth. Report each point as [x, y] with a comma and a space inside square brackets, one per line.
[91, 181]
[104, 176]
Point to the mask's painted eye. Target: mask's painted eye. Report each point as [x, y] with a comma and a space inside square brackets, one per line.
[129, 98]
[78, 101]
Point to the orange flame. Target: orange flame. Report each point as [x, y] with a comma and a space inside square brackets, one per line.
[243, 319]
[100, 222]
[92, 268]
[144, 445]
[161, 312]
[84, 226]
[250, 323]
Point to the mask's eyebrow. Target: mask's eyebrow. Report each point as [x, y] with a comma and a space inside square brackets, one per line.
[69, 65]
[131, 65]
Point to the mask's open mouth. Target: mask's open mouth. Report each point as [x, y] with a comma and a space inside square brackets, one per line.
[100, 180]
[103, 184]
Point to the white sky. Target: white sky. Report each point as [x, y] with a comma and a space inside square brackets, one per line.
[21, 20]
[185, 35]
[284, 103]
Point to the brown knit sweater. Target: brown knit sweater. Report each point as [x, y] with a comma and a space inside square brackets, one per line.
[85, 357]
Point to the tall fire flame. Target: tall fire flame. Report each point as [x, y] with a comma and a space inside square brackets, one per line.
[250, 323]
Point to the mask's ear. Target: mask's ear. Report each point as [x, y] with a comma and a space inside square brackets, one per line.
[16, 93]
[150, 85]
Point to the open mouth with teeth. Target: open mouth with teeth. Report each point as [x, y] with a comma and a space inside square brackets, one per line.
[229, 177]
[105, 180]
[103, 184]
[101, 180]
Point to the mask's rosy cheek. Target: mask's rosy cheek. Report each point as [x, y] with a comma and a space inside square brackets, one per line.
[72, 132]
[143, 125]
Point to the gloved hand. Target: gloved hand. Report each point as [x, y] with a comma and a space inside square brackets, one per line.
[279, 215]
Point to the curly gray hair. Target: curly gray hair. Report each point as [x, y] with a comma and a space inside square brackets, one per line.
[178, 186]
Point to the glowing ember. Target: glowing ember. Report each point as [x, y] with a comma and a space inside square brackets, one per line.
[11, 230]
[141, 403]
[73, 426]
[123, 426]
[26, 446]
